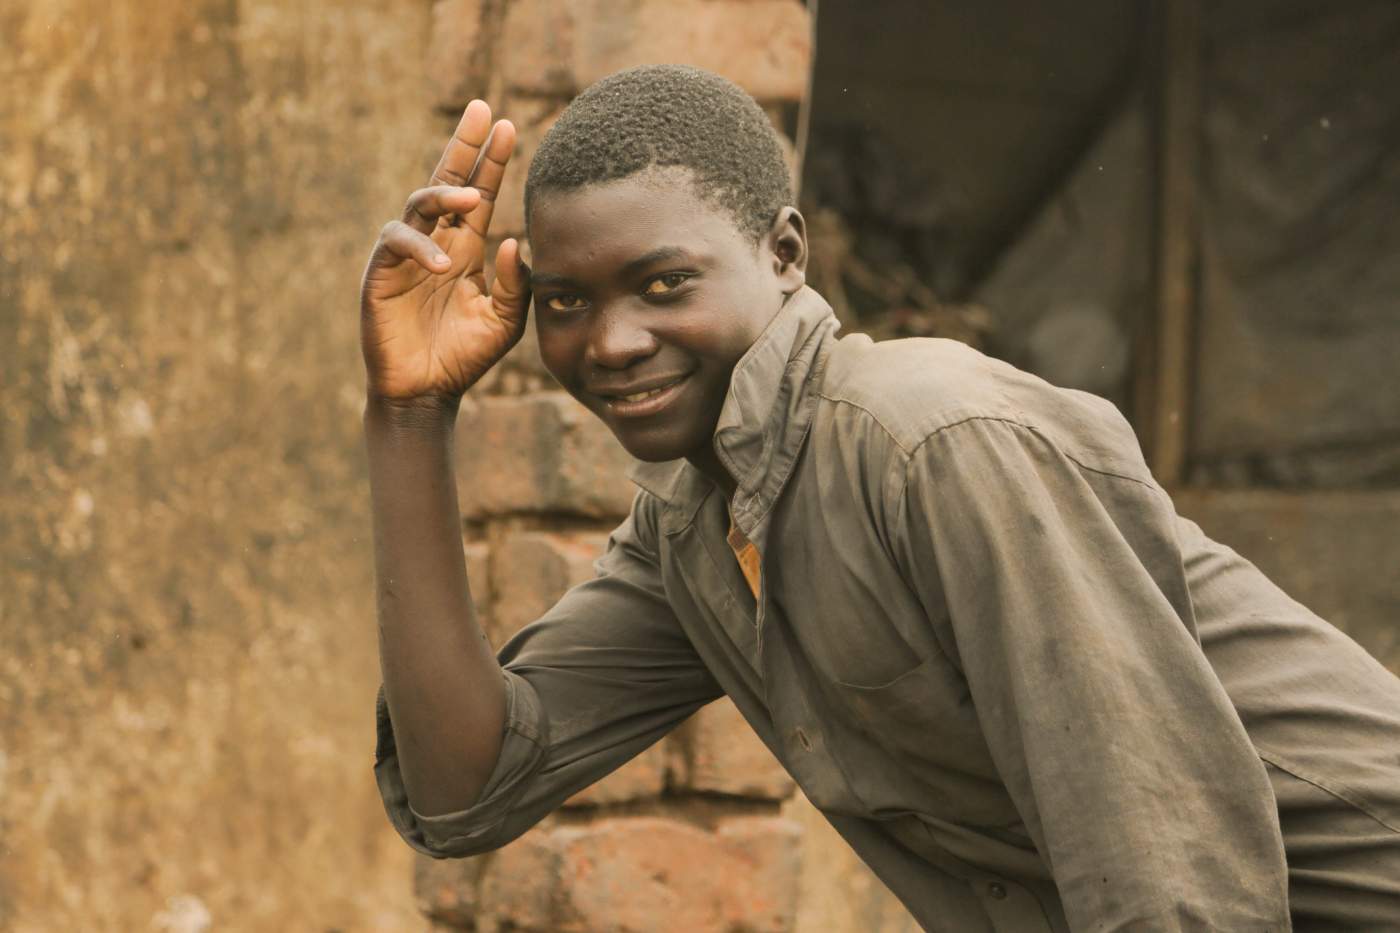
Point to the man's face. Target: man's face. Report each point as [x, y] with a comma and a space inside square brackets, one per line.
[645, 298]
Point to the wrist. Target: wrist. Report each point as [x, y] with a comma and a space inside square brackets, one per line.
[430, 412]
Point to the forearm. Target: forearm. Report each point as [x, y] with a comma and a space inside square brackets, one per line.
[441, 679]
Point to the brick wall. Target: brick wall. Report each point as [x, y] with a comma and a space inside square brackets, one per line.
[704, 831]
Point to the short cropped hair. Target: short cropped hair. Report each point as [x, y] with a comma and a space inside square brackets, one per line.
[662, 116]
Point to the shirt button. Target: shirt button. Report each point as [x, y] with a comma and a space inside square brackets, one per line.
[996, 891]
[803, 740]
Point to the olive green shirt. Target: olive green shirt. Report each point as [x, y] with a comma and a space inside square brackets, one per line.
[984, 644]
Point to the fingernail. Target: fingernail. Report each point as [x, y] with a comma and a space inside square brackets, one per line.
[440, 259]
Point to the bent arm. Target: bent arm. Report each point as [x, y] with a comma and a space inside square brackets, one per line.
[600, 677]
[442, 684]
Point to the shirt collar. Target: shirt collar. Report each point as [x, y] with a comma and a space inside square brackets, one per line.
[765, 416]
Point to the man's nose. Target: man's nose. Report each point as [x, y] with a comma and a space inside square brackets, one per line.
[618, 339]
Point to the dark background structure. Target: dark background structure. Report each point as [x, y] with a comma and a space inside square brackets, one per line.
[1185, 207]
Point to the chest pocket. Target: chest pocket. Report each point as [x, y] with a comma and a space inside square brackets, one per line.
[863, 650]
[925, 720]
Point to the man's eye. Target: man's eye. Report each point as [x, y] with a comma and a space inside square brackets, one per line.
[563, 302]
[666, 283]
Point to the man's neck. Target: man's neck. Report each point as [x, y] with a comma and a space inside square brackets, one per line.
[707, 462]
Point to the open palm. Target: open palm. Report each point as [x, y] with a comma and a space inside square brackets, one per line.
[428, 326]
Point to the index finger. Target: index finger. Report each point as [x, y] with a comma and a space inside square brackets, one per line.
[460, 156]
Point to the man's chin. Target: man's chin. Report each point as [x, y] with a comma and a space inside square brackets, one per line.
[651, 446]
[651, 453]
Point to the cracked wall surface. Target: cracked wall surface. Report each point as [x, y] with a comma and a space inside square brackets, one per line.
[188, 668]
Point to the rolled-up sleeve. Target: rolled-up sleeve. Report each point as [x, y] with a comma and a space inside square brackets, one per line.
[1117, 743]
[471, 830]
[600, 677]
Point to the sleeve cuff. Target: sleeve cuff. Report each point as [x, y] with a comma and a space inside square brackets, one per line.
[473, 830]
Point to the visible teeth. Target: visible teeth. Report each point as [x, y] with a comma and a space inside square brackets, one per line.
[638, 396]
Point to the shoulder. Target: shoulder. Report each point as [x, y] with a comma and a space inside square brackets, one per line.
[916, 386]
[916, 389]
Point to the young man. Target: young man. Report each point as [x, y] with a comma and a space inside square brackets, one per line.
[948, 596]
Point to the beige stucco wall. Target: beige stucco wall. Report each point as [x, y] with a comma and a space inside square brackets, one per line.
[187, 655]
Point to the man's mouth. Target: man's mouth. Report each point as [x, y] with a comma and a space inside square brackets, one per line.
[645, 401]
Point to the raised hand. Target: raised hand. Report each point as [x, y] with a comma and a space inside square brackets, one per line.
[428, 327]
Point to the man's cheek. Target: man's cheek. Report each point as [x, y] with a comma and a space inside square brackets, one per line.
[555, 364]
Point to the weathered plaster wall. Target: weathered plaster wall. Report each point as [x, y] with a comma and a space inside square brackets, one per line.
[187, 661]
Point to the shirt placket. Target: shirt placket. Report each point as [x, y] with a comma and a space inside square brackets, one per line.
[746, 554]
[807, 757]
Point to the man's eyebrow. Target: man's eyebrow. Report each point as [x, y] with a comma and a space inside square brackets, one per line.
[651, 257]
[539, 280]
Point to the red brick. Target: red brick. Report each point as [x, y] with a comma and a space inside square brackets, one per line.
[446, 889]
[648, 873]
[520, 887]
[536, 453]
[624, 874]
[456, 53]
[764, 46]
[559, 47]
[770, 847]
[531, 570]
[515, 887]
[715, 751]
[836, 890]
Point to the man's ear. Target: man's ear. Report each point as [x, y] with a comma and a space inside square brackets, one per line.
[787, 242]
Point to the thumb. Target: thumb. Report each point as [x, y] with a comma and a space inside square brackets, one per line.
[510, 295]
